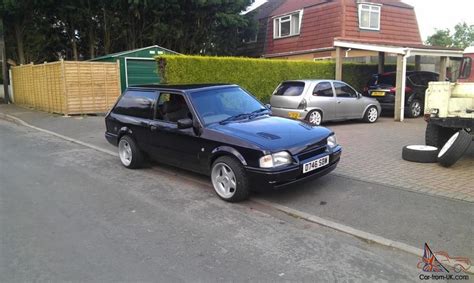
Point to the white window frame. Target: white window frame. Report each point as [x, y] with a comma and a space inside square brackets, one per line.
[278, 20]
[371, 7]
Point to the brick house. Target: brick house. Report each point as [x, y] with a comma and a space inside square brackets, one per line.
[307, 29]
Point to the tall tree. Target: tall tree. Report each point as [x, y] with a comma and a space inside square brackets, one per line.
[462, 37]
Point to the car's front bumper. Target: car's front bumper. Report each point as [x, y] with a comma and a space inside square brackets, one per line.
[284, 112]
[268, 179]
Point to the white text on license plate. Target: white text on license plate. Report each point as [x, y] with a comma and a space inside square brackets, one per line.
[315, 164]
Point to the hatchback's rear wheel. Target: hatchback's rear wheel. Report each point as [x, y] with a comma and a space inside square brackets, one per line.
[314, 117]
[371, 115]
[229, 179]
[129, 153]
[414, 108]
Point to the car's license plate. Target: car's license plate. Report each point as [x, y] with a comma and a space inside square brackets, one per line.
[315, 164]
[294, 115]
[378, 93]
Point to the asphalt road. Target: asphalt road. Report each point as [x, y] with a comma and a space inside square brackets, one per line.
[69, 213]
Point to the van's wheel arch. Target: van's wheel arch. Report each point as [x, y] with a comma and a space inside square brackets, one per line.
[436, 135]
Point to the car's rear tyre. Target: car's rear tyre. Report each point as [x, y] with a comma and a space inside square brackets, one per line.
[371, 115]
[229, 179]
[454, 148]
[436, 135]
[415, 108]
[420, 153]
[314, 117]
[129, 153]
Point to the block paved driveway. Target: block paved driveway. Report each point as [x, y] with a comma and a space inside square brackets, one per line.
[373, 153]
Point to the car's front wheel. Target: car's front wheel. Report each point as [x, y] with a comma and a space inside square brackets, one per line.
[129, 153]
[314, 117]
[371, 115]
[229, 179]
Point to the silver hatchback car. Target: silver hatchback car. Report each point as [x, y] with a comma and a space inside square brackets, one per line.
[322, 100]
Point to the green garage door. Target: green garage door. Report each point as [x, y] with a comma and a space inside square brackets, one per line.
[141, 71]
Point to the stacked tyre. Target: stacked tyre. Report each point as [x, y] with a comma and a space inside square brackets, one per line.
[448, 155]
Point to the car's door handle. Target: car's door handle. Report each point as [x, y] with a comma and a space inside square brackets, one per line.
[153, 128]
[339, 102]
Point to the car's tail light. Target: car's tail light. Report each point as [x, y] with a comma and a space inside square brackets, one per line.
[303, 104]
[407, 89]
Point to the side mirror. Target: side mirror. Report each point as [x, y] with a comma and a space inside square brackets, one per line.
[268, 106]
[185, 123]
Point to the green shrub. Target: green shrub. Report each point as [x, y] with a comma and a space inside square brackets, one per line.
[259, 76]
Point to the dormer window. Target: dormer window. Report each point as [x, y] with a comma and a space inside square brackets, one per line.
[369, 16]
[287, 25]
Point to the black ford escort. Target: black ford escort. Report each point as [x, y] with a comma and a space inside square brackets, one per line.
[221, 131]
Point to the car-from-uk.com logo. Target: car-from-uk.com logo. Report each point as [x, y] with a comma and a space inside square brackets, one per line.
[441, 266]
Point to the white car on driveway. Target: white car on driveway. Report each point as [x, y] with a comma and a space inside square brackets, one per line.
[318, 101]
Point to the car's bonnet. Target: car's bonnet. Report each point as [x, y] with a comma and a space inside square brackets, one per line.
[275, 133]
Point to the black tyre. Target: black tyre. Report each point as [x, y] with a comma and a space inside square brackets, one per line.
[315, 117]
[129, 153]
[415, 109]
[436, 135]
[454, 148]
[229, 179]
[371, 115]
[420, 153]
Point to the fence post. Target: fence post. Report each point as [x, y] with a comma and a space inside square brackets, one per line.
[63, 75]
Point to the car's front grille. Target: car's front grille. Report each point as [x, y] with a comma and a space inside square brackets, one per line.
[311, 153]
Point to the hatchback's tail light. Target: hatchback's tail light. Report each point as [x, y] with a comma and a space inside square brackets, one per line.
[407, 89]
[303, 104]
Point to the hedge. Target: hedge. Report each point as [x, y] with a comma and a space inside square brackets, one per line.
[259, 76]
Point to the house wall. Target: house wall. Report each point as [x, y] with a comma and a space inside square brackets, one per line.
[321, 24]
[397, 24]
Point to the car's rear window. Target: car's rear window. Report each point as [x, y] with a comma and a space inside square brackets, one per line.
[387, 79]
[136, 103]
[290, 89]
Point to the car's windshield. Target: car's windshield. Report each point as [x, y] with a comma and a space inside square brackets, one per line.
[221, 104]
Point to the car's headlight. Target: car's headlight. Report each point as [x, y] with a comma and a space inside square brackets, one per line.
[332, 141]
[275, 160]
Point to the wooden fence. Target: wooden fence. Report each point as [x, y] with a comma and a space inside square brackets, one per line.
[67, 87]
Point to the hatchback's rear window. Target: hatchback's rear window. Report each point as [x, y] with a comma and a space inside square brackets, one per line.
[290, 89]
[387, 79]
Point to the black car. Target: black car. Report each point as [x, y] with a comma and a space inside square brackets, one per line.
[382, 87]
[221, 131]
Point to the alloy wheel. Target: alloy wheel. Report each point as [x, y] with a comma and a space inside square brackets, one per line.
[223, 180]
[125, 152]
[416, 109]
[373, 115]
[315, 118]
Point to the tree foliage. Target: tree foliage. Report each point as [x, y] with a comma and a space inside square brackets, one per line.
[462, 37]
[47, 30]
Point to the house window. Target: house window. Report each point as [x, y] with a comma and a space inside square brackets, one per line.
[287, 25]
[369, 16]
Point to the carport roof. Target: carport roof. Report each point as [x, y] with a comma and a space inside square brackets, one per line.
[409, 49]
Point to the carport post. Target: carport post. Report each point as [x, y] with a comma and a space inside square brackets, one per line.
[400, 88]
[381, 62]
[339, 63]
[417, 63]
[443, 62]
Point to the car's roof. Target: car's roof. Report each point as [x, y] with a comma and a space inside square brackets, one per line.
[311, 81]
[182, 87]
[407, 72]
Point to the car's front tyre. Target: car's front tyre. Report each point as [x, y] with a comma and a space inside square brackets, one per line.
[371, 115]
[229, 179]
[129, 153]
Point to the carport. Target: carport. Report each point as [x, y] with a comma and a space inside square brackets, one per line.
[403, 52]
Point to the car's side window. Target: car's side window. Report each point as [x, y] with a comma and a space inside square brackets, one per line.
[344, 91]
[172, 107]
[136, 103]
[323, 89]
